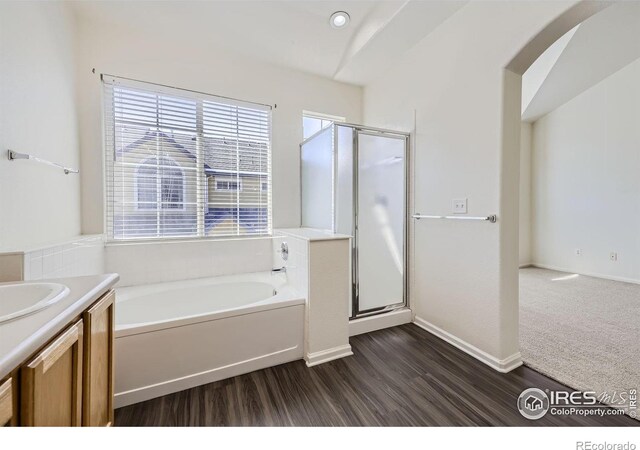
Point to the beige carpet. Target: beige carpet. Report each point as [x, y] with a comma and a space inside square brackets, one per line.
[579, 330]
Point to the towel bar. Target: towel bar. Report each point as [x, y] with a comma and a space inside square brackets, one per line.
[16, 155]
[492, 218]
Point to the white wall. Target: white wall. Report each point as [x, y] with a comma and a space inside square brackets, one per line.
[466, 145]
[38, 116]
[586, 180]
[166, 59]
[525, 194]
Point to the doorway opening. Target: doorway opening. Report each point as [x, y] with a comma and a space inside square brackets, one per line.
[579, 244]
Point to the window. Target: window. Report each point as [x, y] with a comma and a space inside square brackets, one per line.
[160, 184]
[184, 164]
[314, 122]
[228, 184]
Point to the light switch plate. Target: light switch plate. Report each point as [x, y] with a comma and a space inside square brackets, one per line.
[459, 205]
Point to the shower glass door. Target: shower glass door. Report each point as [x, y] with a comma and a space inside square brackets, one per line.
[380, 212]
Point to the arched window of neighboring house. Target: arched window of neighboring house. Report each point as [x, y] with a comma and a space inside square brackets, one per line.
[159, 184]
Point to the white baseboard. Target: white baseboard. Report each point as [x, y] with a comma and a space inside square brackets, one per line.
[380, 321]
[501, 365]
[220, 373]
[587, 274]
[313, 359]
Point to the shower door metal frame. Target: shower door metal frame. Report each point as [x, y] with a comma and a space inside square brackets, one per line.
[356, 313]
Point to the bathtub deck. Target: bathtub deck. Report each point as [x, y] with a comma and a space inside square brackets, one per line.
[401, 376]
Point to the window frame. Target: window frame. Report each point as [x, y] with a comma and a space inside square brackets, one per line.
[322, 117]
[237, 180]
[110, 151]
[136, 187]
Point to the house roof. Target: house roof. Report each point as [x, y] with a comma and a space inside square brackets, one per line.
[221, 155]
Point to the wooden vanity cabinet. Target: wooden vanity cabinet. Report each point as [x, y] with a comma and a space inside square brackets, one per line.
[69, 381]
[6, 402]
[51, 383]
[97, 407]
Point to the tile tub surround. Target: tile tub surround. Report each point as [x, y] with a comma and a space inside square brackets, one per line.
[157, 262]
[79, 256]
[320, 265]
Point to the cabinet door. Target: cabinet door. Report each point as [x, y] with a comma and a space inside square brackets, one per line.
[51, 384]
[97, 408]
[6, 402]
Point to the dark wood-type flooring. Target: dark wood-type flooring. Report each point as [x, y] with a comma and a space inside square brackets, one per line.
[401, 376]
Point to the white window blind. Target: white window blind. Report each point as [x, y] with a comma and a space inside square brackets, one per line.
[168, 152]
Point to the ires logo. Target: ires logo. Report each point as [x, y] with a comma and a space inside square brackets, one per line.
[577, 398]
[534, 403]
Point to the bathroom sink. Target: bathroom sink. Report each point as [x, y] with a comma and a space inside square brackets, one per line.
[19, 300]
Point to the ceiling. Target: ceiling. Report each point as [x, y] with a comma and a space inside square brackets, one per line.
[586, 55]
[293, 34]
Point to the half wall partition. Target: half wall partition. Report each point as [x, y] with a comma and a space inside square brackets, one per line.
[354, 181]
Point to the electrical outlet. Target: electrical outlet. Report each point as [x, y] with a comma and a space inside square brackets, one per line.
[578, 252]
[613, 256]
[459, 206]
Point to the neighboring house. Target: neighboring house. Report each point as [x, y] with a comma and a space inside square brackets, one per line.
[237, 172]
[163, 193]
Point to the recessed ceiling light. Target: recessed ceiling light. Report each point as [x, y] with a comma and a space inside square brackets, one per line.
[339, 19]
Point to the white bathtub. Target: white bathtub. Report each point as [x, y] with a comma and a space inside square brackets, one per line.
[177, 335]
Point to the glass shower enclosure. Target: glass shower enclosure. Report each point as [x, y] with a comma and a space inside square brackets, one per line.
[354, 181]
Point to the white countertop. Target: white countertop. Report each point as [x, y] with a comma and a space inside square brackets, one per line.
[21, 338]
[311, 234]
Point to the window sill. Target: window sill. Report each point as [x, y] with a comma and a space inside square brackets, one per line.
[151, 241]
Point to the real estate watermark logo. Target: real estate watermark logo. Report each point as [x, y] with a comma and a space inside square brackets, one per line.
[589, 445]
[627, 400]
[533, 403]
